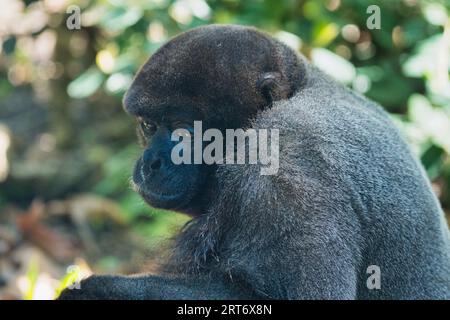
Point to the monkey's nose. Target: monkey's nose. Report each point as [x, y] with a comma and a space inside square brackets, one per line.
[156, 164]
[151, 160]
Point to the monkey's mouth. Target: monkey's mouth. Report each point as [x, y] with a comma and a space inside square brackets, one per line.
[160, 199]
[161, 192]
[155, 199]
[164, 200]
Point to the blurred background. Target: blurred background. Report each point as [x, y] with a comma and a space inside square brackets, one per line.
[67, 149]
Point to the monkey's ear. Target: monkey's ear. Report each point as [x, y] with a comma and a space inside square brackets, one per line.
[272, 87]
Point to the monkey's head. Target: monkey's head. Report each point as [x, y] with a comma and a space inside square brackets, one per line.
[221, 75]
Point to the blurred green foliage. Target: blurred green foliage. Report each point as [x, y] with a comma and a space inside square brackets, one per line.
[75, 80]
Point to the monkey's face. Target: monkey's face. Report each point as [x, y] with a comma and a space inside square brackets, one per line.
[161, 182]
[220, 75]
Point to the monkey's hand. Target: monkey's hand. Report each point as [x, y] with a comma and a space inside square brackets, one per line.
[105, 287]
[92, 288]
[153, 287]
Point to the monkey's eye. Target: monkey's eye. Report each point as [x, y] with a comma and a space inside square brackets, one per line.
[148, 128]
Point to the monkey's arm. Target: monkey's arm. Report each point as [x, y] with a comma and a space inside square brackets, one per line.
[301, 269]
[306, 246]
[152, 287]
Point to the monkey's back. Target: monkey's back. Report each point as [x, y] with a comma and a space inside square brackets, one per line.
[346, 145]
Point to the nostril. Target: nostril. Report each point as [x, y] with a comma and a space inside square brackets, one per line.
[156, 164]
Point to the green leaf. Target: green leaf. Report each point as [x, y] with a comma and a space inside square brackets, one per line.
[324, 33]
[432, 160]
[85, 84]
[121, 18]
[336, 66]
[69, 278]
[423, 61]
[434, 122]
